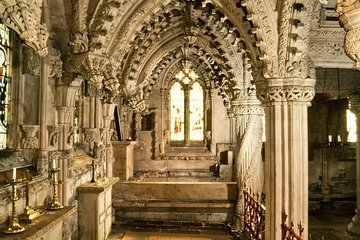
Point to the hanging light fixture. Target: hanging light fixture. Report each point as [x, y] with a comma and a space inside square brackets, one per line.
[186, 75]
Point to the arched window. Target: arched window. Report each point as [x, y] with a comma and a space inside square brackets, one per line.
[196, 112]
[187, 113]
[4, 78]
[177, 112]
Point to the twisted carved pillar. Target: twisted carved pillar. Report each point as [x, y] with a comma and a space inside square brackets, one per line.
[354, 104]
[286, 150]
[248, 168]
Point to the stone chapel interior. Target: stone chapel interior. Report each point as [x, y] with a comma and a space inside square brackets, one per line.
[117, 111]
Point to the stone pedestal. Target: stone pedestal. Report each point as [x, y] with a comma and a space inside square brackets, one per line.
[95, 209]
[123, 152]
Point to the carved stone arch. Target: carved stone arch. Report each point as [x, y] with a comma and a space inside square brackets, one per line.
[230, 32]
[295, 21]
[263, 18]
[161, 52]
[24, 17]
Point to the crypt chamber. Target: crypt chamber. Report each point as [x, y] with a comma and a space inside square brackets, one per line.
[241, 113]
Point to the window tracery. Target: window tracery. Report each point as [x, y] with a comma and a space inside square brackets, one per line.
[4, 80]
[187, 112]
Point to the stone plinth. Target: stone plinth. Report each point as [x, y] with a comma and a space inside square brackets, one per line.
[49, 226]
[123, 152]
[95, 209]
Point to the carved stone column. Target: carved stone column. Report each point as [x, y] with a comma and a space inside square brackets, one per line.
[212, 116]
[155, 139]
[354, 104]
[187, 116]
[286, 164]
[248, 167]
[43, 103]
[108, 115]
[65, 106]
[349, 11]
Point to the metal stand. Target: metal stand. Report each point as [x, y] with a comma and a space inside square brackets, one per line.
[14, 226]
[55, 204]
[29, 213]
[94, 178]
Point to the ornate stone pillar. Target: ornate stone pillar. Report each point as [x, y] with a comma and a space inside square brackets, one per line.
[349, 11]
[187, 116]
[65, 106]
[155, 139]
[108, 115]
[248, 167]
[286, 164]
[161, 127]
[212, 116]
[42, 162]
[354, 104]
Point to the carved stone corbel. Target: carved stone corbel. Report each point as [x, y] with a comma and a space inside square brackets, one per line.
[54, 134]
[28, 136]
[24, 17]
[349, 11]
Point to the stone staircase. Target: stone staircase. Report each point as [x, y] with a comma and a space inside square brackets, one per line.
[192, 202]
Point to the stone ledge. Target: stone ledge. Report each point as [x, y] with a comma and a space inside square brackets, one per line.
[40, 226]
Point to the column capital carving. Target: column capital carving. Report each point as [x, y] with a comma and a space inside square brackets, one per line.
[247, 107]
[286, 89]
[24, 17]
[349, 11]
[354, 103]
[91, 65]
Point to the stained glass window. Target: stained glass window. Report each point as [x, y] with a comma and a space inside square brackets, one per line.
[177, 112]
[4, 69]
[196, 112]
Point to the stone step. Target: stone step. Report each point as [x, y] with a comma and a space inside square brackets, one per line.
[176, 175]
[174, 165]
[175, 190]
[197, 202]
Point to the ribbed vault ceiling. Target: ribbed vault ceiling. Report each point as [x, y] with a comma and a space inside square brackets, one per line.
[145, 38]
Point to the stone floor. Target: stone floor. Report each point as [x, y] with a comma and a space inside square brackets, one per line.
[330, 226]
[325, 226]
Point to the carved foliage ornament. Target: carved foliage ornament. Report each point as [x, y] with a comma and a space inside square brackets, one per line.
[24, 18]
[349, 11]
[248, 109]
[286, 93]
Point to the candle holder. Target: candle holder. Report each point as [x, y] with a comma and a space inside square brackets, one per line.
[94, 178]
[55, 204]
[14, 226]
[29, 212]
